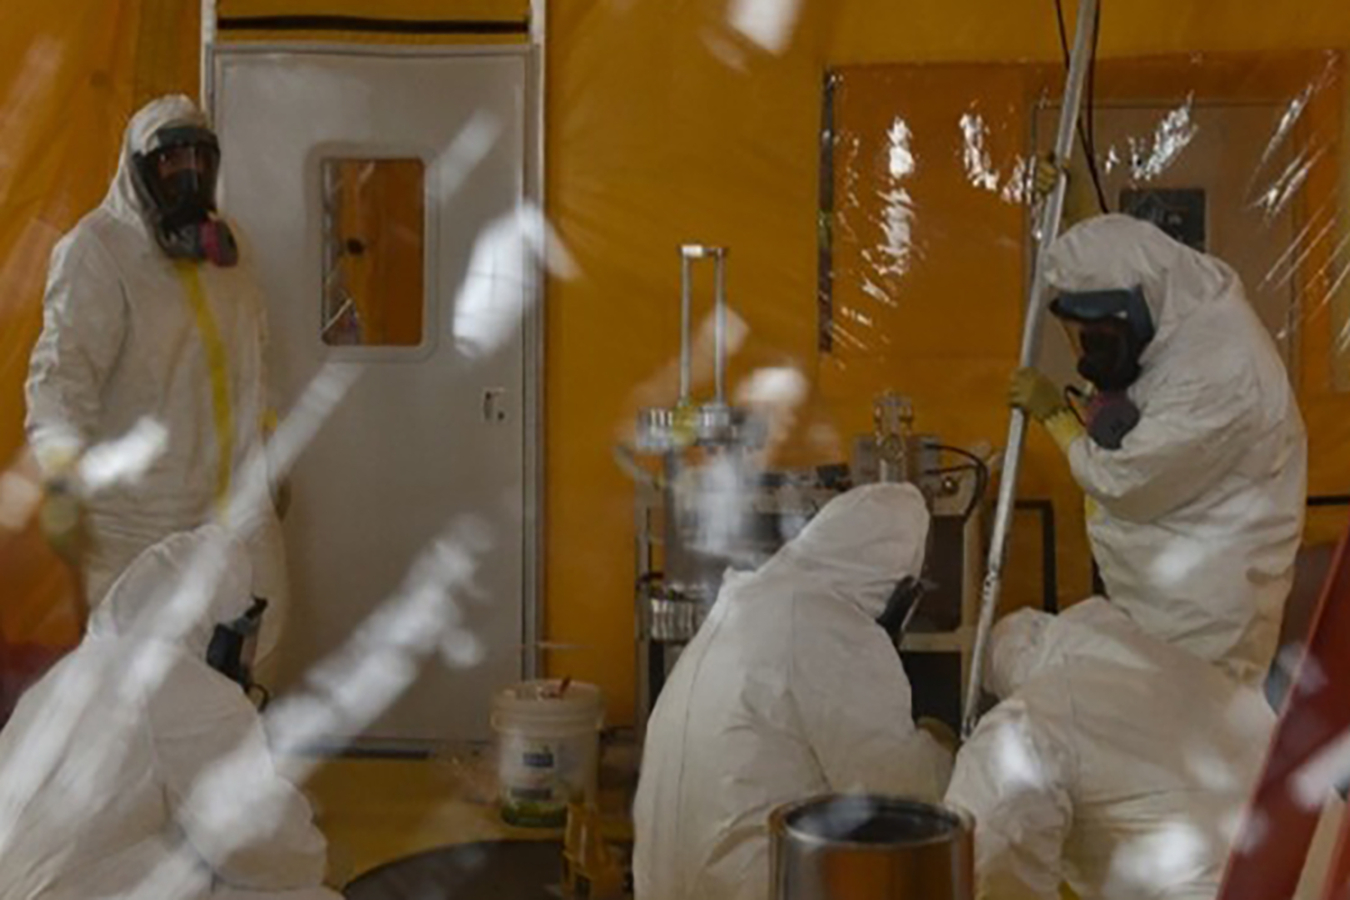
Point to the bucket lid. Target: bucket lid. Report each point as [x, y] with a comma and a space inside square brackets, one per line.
[540, 699]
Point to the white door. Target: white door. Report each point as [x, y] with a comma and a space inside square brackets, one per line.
[383, 196]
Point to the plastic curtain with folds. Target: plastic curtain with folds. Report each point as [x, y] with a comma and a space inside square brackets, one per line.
[869, 165]
[870, 170]
[69, 80]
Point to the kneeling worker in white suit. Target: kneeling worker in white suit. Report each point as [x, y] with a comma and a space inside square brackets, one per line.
[790, 689]
[135, 770]
[1116, 763]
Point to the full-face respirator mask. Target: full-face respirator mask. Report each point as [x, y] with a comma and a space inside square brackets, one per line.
[175, 180]
[1109, 331]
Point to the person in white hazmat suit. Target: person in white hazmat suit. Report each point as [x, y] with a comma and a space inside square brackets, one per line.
[789, 689]
[1115, 763]
[135, 770]
[1194, 458]
[145, 389]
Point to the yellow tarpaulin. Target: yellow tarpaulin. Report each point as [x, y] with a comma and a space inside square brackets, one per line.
[70, 77]
[397, 21]
[667, 122]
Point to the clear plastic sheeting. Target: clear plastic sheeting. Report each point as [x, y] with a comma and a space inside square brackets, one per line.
[932, 170]
[874, 172]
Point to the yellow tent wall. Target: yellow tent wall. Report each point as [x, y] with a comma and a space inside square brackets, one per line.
[663, 127]
[70, 76]
[365, 21]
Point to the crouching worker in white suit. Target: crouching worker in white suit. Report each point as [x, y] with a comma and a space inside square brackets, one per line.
[135, 770]
[1116, 762]
[790, 689]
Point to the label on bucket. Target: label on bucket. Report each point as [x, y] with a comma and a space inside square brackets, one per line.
[539, 777]
[538, 759]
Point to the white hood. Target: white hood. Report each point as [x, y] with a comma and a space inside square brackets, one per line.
[1023, 643]
[858, 546]
[789, 689]
[1116, 251]
[122, 200]
[1017, 649]
[178, 591]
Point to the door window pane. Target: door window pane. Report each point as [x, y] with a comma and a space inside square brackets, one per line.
[373, 291]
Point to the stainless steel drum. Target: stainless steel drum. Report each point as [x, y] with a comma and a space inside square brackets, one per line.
[870, 848]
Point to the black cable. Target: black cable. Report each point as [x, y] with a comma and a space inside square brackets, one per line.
[981, 477]
[1092, 111]
[1085, 138]
[1073, 398]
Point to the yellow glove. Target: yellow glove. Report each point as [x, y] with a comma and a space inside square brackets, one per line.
[940, 731]
[1080, 198]
[1035, 394]
[62, 519]
[1038, 396]
[1045, 177]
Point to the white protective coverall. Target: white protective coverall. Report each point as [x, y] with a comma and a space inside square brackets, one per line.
[790, 689]
[1116, 762]
[129, 348]
[134, 770]
[1196, 519]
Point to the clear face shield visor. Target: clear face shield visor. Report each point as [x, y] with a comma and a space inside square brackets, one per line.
[1094, 337]
[180, 168]
[1108, 331]
[183, 168]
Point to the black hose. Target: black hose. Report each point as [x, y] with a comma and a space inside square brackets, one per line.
[981, 477]
[1073, 398]
[1086, 135]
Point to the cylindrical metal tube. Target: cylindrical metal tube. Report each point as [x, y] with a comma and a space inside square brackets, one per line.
[841, 847]
[686, 301]
[720, 323]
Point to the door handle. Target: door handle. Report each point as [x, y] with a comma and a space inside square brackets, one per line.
[494, 406]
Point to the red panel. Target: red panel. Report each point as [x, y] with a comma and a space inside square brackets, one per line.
[1277, 831]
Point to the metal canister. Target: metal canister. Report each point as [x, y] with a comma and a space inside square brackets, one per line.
[866, 847]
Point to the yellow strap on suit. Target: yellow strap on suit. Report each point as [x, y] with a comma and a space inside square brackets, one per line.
[218, 367]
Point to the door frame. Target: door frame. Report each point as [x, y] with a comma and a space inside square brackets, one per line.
[534, 319]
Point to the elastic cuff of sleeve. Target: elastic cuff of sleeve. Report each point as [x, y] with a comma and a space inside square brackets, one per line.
[1065, 428]
[58, 462]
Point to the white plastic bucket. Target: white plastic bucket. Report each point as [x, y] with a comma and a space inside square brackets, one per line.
[548, 749]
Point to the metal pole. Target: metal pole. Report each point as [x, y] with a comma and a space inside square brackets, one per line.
[207, 73]
[688, 253]
[720, 321]
[1031, 333]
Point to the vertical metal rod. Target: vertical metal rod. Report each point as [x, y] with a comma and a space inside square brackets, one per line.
[687, 253]
[1031, 333]
[720, 330]
[536, 451]
[207, 75]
